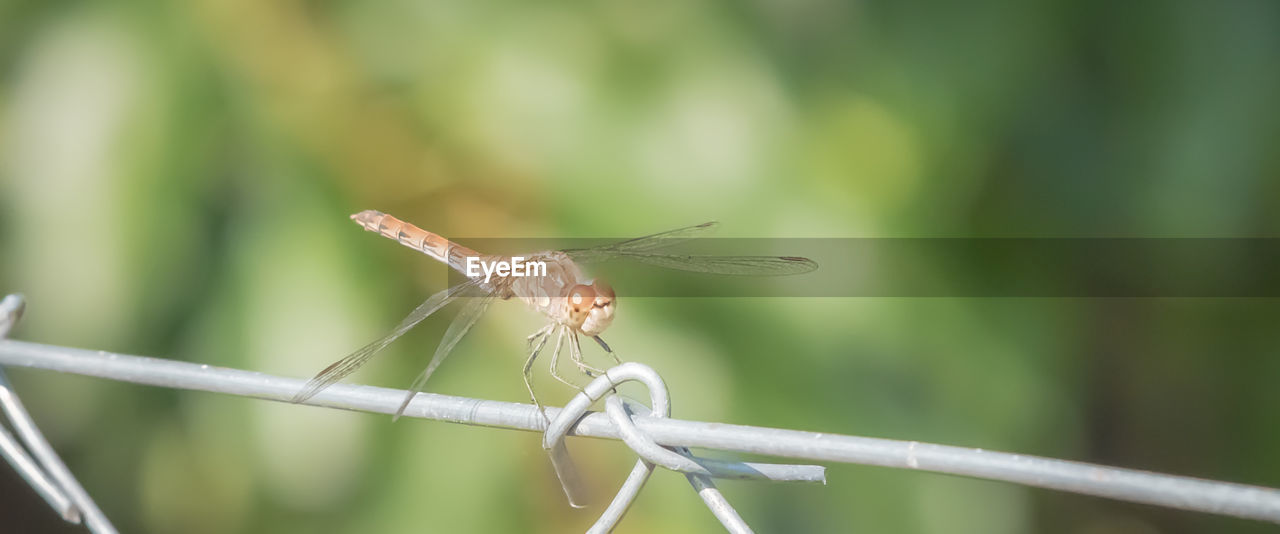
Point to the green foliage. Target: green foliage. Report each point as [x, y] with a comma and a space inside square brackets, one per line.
[175, 181]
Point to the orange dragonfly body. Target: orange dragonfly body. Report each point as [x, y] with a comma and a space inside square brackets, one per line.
[573, 304]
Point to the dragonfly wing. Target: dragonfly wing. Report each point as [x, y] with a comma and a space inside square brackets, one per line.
[641, 244]
[461, 324]
[642, 249]
[731, 265]
[341, 368]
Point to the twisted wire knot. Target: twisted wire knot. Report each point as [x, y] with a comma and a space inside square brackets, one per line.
[699, 471]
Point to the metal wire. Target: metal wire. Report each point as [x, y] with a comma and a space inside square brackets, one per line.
[30, 470]
[1186, 493]
[46, 473]
[698, 476]
[650, 453]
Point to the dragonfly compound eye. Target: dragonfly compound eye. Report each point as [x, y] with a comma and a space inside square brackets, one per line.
[599, 312]
[581, 298]
[604, 294]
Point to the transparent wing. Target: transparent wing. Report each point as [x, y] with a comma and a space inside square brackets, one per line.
[641, 249]
[731, 265]
[641, 244]
[461, 324]
[341, 368]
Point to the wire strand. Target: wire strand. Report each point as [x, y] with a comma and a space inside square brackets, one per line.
[1224, 498]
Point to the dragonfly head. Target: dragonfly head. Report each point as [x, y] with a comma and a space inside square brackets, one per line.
[591, 307]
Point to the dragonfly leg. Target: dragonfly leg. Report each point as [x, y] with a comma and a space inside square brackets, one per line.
[575, 351]
[541, 331]
[541, 340]
[555, 358]
[606, 348]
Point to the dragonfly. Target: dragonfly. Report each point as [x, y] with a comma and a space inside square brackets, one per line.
[573, 304]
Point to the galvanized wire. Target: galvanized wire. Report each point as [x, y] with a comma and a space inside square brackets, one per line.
[650, 453]
[29, 469]
[46, 473]
[1186, 493]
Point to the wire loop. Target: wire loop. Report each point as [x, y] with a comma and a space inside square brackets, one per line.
[698, 470]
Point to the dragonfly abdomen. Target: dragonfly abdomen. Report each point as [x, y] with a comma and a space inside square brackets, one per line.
[429, 243]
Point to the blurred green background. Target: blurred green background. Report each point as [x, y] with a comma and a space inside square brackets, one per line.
[175, 180]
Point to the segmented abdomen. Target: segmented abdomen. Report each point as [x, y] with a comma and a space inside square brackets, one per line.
[411, 236]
